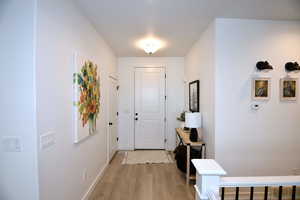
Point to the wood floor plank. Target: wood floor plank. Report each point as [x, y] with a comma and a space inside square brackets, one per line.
[142, 182]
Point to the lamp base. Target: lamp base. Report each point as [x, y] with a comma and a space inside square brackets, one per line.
[186, 128]
[194, 135]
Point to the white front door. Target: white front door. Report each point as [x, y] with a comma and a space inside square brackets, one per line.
[113, 118]
[149, 108]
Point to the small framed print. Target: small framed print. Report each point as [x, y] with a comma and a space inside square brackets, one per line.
[194, 96]
[288, 89]
[261, 88]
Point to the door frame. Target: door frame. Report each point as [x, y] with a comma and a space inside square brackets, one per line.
[165, 103]
[111, 79]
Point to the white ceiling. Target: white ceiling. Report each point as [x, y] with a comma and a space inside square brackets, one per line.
[177, 22]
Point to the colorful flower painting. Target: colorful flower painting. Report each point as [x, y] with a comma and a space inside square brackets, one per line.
[87, 102]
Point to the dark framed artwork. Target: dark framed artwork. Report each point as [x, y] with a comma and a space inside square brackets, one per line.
[288, 89]
[261, 88]
[194, 96]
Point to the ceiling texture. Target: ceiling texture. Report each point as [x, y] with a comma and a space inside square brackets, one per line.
[178, 23]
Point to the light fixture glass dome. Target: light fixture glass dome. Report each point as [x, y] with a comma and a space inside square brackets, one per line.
[151, 48]
[150, 45]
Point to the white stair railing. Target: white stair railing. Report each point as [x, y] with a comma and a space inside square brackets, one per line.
[209, 180]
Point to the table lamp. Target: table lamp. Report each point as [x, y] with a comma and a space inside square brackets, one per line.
[193, 121]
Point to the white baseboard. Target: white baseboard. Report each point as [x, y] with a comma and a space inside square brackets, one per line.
[94, 183]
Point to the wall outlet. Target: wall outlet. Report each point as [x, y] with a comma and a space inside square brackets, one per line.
[47, 140]
[11, 144]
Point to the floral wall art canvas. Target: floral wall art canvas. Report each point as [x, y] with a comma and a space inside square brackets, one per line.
[86, 83]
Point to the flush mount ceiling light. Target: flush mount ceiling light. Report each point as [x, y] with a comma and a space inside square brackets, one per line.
[150, 45]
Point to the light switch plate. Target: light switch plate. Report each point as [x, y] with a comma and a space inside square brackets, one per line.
[47, 140]
[11, 144]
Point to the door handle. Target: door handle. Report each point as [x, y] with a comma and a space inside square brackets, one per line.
[110, 123]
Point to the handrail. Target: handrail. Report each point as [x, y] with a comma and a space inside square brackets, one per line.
[260, 181]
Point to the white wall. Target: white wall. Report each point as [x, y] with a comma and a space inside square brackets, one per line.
[175, 96]
[263, 142]
[18, 170]
[200, 65]
[61, 31]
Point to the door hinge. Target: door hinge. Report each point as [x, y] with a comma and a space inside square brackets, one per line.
[165, 75]
[117, 113]
[117, 87]
[165, 119]
[165, 140]
[117, 138]
[165, 97]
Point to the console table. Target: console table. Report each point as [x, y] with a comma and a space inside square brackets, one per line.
[184, 137]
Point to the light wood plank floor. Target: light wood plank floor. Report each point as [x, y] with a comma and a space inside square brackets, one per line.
[142, 182]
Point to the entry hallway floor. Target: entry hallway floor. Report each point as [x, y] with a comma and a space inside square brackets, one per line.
[142, 182]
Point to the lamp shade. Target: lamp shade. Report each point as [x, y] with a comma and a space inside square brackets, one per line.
[193, 120]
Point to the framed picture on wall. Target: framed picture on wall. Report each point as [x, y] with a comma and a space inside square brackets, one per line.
[86, 98]
[288, 89]
[194, 96]
[261, 88]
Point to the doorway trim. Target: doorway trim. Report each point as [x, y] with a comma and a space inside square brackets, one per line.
[110, 78]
